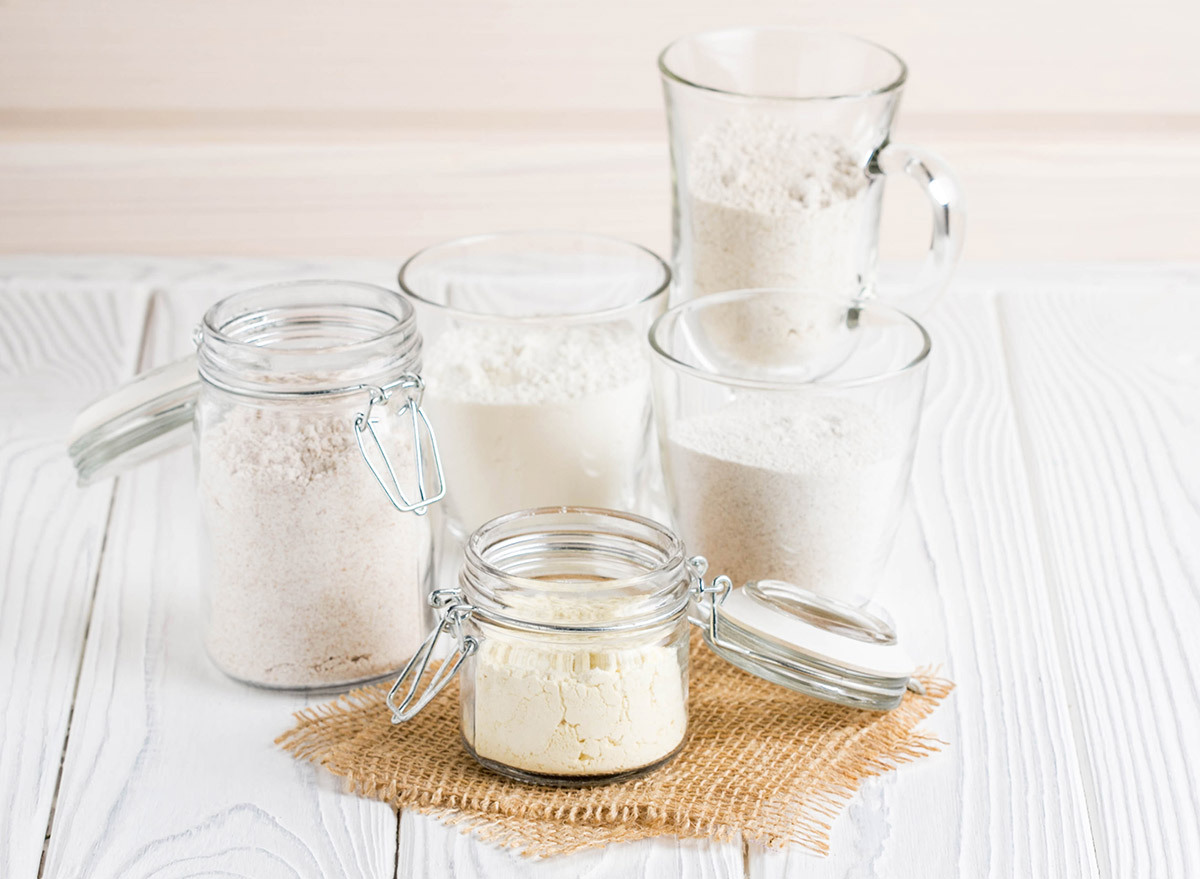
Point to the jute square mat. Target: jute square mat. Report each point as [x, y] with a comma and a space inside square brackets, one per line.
[762, 763]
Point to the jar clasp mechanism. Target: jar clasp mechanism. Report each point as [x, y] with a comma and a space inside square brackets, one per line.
[379, 462]
[453, 614]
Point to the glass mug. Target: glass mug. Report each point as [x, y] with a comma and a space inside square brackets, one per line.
[779, 148]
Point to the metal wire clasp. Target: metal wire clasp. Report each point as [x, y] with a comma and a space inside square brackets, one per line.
[451, 619]
[414, 390]
[717, 591]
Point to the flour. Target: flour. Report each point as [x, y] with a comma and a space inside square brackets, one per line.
[772, 206]
[538, 416]
[315, 580]
[803, 490]
[568, 710]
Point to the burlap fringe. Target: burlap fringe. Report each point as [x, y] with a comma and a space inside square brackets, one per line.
[428, 772]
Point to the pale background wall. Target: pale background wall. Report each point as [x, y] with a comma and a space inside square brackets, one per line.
[370, 128]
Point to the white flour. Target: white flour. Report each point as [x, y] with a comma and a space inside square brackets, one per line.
[575, 711]
[529, 417]
[804, 490]
[773, 206]
[315, 580]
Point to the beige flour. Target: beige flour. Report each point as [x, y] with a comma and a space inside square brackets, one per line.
[315, 579]
[805, 490]
[569, 711]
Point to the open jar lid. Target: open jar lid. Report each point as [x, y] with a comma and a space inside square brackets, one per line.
[803, 641]
[147, 417]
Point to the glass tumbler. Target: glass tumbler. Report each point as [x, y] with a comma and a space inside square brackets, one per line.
[536, 369]
[779, 148]
[793, 467]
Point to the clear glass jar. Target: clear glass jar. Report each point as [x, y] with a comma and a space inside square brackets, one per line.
[570, 630]
[314, 466]
[787, 422]
[537, 370]
[573, 645]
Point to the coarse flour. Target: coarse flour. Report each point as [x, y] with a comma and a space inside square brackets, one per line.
[773, 206]
[315, 579]
[571, 711]
[537, 416]
[804, 490]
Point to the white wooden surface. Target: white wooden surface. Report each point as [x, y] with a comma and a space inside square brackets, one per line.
[1048, 558]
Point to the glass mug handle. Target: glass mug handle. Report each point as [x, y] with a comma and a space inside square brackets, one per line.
[949, 218]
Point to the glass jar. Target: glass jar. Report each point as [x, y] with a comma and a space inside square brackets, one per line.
[537, 370]
[787, 422]
[570, 630]
[573, 633]
[314, 462]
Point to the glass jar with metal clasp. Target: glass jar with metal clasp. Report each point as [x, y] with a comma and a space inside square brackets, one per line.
[315, 465]
[570, 626]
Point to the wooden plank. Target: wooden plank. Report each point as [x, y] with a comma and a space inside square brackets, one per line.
[430, 849]
[532, 54]
[1107, 379]
[967, 587]
[353, 185]
[62, 342]
[170, 768]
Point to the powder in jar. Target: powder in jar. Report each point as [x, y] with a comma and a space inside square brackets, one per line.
[773, 206]
[537, 416]
[315, 580]
[803, 490]
[567, 710]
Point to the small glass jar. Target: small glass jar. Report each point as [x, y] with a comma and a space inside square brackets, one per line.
[314, 466]
[537, 370]
[570, 631]
[573, 645]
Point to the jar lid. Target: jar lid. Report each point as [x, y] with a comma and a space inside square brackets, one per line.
[809, 643]
[145, 418]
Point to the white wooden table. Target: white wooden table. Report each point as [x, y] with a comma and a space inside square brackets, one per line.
[1050, 558]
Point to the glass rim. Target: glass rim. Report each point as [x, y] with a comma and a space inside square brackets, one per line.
[665, 69]
[783, 384]
[671, 603]
[403, 325]
[602, 314]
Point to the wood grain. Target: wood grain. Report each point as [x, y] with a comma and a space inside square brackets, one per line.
[170, 768]
[1020, 56]
[357, 185]
[62, 342]
[968, 587]
[1106, 372]
[430, 849]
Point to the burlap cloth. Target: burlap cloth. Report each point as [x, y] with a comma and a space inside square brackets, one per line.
[762, 763]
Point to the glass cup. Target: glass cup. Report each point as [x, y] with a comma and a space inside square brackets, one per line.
[791, 467]
[779, 148]
[536, 361]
